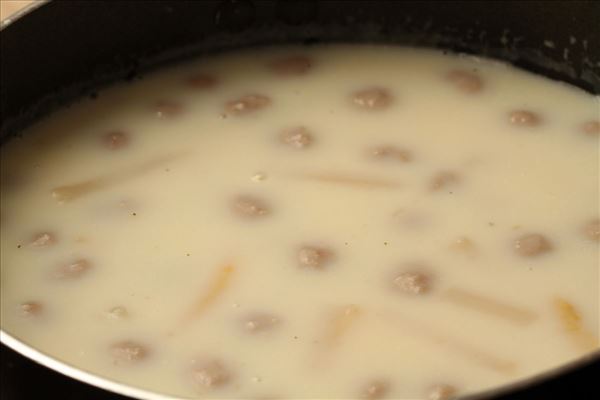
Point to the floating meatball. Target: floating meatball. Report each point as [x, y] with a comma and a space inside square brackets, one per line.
[250, 207]
[532, 245]
[202, 81]
[73, 270]
[375, 390]
[413, 281]
[298, 138]
[291, 66]
[128, 352]
[592, 229]
[168, 109]
[43, 239]
[444, 180]
[260, 322]
[115, 140]
[31, 308]
[465, 81]
[247, 104]
[591, 128]
[314, 257]
[441, 392]
[211, 374]
[392, 153]
[524, 118]
[374, 98]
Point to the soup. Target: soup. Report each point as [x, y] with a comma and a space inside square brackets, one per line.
[327, 222]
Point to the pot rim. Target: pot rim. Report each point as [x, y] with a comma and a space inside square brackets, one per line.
[126, 390]
[79, 374]
[12, 18]
[141, 394]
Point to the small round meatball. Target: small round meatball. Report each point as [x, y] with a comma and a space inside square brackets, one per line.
[257, 322]
[247, 104]
[532, 245]
[202, 81]
[128, 352]
[168, 109]
[374, 98]
[31, 308]
[115, 140]
[591, 230]
[413, 281]
[298, 138]
[43, 239]
[73, 270]
[591, 128]
[524, 118]
[441, 392]
[291, 66]
[374, 390]
[444, 180]
[392, 153]
[314, 257]
[250, 207]
[465, 81]
[211, 374]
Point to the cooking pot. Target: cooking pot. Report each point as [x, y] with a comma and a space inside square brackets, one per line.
[54, 52]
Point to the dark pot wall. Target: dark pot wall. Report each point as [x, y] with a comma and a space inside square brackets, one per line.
[67, 49]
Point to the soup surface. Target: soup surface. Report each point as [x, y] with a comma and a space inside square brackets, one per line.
[324, 222]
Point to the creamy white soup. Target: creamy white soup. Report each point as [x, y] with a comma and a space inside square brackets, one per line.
[326, 222]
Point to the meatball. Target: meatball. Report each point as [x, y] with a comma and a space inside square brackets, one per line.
[412, 281]
[291, 66]
[257, 322]
[592, 229]
[115, 140]
[250, 207]
[211, 374]
[247, 104]
[373, 98]
[444, 180]
[128, 352]
[524, 118]
[374, 390]
[31, 308]
[43, 239]
[73, 270]
[532, 245]
[591, 128]
[314, 257]
[441, 392]
[465, 81]
[297, 138]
